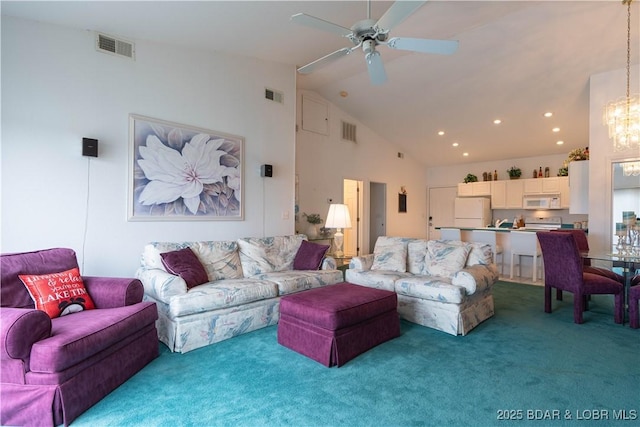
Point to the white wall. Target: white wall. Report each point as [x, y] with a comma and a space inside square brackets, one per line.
[322, 162]
[605, 87]
[57, 89]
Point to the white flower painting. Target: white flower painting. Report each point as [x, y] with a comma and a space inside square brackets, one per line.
[181, 172]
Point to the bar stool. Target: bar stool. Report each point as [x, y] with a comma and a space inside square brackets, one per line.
[450, 234]
[489, 237]
[525, 243]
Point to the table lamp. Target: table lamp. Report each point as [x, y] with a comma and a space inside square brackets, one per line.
[338, 217]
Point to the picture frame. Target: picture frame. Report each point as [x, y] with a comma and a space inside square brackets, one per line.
[180, 172]
[402, 203]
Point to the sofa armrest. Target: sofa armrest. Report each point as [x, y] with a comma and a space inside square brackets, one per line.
[20, 328]
[111, 292]
[476, 278]
[161, 285]
[329, 263]
[363, 262]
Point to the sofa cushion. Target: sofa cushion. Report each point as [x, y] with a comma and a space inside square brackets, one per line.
[78, 337]
[480, 254]
[416, 254]
[299, 280]
[390, 255]
[185, 263]
[221, 294]
[309, 256]
[220, 259]
[444, 259]
[379, 279]
[58, 294]
[267, 254]
[13, 292]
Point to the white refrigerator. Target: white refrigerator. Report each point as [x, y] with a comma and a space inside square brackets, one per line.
[473, 212]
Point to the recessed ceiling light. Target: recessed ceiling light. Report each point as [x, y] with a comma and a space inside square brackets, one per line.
[465, 154]
[560, 142]
[455, 144]
[555, 130]
[497, 121]
[441, 132]
[344, 93]
[548, 114]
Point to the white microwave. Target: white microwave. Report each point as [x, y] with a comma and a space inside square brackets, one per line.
[541, 202]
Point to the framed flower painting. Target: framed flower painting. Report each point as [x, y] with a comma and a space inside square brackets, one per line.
[179, 172]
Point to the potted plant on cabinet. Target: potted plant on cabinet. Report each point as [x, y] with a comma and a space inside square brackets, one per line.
[470, 178]
[514, 172]
[314, 220]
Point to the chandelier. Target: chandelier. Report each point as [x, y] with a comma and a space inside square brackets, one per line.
[623, 115]
[631, 168]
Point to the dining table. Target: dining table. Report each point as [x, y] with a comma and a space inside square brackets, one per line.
[628, 261]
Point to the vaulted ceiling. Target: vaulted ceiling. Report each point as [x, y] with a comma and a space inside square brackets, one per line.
[516, 60]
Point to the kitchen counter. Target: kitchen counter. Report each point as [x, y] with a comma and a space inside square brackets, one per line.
[508, 229]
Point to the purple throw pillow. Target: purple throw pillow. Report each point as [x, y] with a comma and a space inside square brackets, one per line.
[185, 263]
[309, 256]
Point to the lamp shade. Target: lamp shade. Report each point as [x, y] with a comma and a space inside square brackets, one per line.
[338, 217]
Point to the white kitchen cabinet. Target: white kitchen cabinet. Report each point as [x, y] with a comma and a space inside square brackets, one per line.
[474, 189]
[533, 185]
[565, 194]
[499, 195]
[542, 185]
[514, 193]
[579, 187]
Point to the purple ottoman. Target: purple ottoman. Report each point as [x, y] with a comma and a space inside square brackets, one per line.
[336, 323]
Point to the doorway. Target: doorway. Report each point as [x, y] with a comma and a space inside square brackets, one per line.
[441, 209]
[378, 214]
[353, 198]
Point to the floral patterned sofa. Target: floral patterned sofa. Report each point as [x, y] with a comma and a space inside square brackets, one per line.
[240, 285]
[445, 285]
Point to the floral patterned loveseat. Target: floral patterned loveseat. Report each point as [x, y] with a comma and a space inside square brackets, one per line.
[241, 289]
[445, 285]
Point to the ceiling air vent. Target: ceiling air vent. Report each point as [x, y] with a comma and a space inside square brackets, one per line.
[273, 95]
[113, 46]
[348, 131]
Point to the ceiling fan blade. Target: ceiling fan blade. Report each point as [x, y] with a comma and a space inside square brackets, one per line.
[442, 47]
[319, 63]
[320, 24]
[398, 12]
[377, 75]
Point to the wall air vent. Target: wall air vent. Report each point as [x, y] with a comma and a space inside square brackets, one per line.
[274, 95]
[349, 131]
[114, 46]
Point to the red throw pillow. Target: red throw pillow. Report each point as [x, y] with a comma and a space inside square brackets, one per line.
[309, 256]
[185, 263]
[58, 294]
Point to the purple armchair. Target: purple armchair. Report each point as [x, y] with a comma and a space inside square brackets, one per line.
[563, 270]
[52, 370]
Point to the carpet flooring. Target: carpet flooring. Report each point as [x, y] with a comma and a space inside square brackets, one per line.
[522, 366]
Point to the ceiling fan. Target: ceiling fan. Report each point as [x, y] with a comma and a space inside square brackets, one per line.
[368, 33]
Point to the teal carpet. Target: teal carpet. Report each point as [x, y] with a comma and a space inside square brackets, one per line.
[521, 364]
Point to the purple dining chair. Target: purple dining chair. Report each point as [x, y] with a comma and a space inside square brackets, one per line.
[563, 270]
[583, 247]
[634, 300]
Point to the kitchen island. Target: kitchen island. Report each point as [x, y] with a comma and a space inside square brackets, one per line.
[503, 239]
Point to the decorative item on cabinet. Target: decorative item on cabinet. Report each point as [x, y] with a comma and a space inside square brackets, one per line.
[546, 172]
[514, 172]
[484, 176]
[495, 175]
[535, 173]
[470, 178]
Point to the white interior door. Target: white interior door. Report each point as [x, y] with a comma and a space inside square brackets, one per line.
[353, 200]
[441, 209]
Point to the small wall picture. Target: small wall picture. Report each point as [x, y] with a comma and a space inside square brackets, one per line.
[179, 172]
[402, 203]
